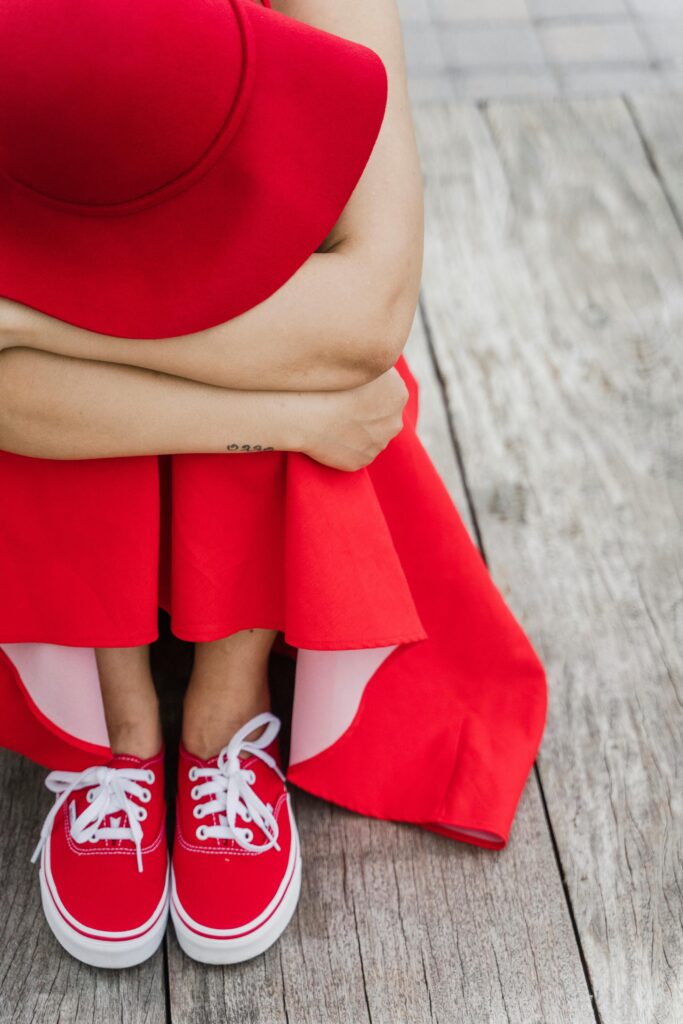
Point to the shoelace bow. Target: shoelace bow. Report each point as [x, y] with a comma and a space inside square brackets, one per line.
[230, 787]
[112, 792]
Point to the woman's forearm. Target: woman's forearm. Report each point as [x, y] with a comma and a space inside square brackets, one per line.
[316, 333]
[56, 407]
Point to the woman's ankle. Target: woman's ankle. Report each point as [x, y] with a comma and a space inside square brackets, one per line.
[131, 706]
[228, 687]
[141, 739]
[207, 728]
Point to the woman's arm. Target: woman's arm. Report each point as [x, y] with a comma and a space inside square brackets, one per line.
[56, 407]
[384, 220]
[344, 317]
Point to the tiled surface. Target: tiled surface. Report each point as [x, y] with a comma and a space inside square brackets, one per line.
[490, 47]
[479, 49]
[479, 10]
[600, 43]
[586, 9]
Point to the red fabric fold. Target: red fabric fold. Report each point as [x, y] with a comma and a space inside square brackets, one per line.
[89, 549]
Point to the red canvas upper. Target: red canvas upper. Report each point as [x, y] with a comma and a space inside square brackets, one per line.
[99, 884]
[218, 884]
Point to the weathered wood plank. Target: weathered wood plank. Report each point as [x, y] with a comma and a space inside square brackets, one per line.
[434, 428]
[454, 933]
[396, 924]
[553, 286]
[297, 979]
[659, 120]
[38, 980]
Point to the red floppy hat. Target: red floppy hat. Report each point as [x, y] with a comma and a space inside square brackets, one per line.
[166, 165]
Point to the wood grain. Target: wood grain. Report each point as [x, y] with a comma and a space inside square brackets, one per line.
[553, 287]
[658, 120]
[433, 424]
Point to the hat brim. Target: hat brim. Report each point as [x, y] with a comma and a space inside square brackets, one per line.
[236, 235]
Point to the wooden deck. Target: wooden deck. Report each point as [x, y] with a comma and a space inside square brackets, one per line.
[549, 347]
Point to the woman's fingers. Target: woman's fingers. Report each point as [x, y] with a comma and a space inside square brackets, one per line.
[352, 427]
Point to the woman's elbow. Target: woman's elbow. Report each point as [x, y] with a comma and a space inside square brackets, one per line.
[386, 332]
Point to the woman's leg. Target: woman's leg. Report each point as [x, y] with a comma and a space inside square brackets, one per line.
[131, 708]
[228, 686]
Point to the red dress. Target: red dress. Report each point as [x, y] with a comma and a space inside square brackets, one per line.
[418, 697]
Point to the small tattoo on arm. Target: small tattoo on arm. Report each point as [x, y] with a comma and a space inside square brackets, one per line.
[248, 448]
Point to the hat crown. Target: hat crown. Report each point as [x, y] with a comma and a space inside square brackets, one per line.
[105, 103]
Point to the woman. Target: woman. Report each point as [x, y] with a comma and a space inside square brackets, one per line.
[313, 368]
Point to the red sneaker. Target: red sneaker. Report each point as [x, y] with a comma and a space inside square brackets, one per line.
[104, 875]
[236, 874]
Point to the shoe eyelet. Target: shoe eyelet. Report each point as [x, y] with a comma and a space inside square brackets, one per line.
[151, 777]
[198, 811]
[145, 796]
[201, 832]
[142, 813]
[248, 835]
[251, 776]
[192, 774]
[194, 792]
[93, 839]
[246, 816]
[90, 795]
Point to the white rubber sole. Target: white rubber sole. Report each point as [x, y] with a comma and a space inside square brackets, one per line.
[221, 948]
[103, 952]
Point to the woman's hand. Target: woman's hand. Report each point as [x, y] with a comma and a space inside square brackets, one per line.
[347, 429]
[56, 407]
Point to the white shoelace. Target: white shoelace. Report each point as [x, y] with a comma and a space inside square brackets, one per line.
[230, 786]
[111, 793]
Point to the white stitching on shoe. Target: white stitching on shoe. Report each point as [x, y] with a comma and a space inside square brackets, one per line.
[114, 789]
